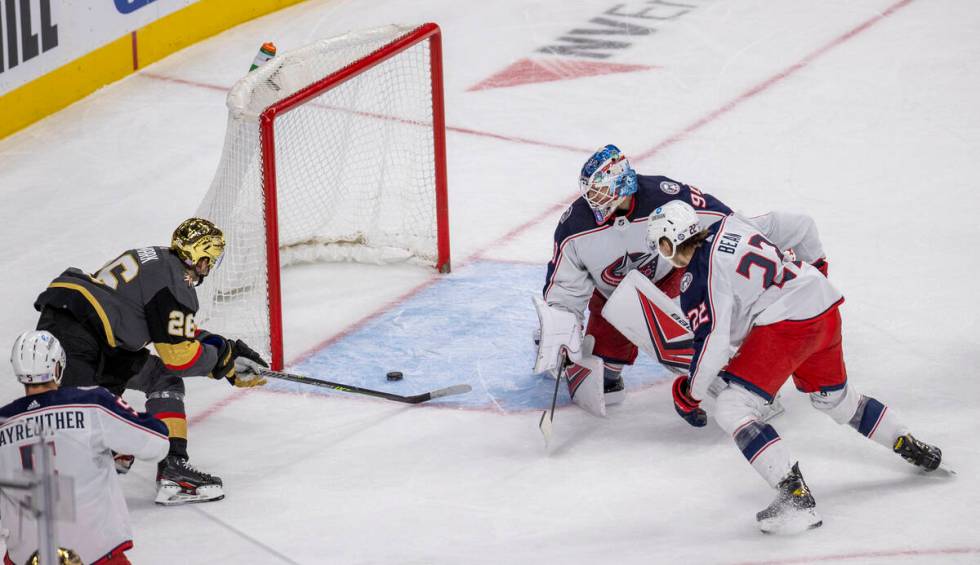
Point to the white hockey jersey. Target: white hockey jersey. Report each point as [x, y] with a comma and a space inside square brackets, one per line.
[589, 256]
[87, 423]
[739, 279]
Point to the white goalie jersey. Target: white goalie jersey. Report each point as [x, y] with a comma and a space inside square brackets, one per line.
[592, 257]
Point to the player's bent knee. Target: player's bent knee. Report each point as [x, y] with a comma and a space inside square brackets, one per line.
[735, 406]
[838, 404]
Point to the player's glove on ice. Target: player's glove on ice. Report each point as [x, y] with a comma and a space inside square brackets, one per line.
[684, 403]
[234, 356]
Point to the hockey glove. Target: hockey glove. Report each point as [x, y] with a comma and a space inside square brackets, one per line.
[684, 403]
[123, 462]
[231, 355]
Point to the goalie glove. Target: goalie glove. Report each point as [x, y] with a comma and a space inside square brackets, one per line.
[686, 406]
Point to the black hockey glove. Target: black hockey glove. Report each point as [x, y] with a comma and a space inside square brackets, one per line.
[684, 403]
[233, 355]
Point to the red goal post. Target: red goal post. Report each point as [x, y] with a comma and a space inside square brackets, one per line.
[335, 151]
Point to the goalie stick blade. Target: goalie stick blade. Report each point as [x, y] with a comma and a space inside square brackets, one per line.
[545, 426]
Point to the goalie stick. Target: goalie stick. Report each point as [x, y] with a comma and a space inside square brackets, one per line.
[414, 399]
[545, 423]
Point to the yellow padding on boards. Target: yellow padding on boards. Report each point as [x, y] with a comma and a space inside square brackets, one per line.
[63, 86]
[50, 93]
[200, 21]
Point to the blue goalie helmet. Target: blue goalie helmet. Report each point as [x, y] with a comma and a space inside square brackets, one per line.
[606, 179]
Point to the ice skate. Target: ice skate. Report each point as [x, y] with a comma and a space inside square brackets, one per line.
[918, 453]
[794, 509]
[180, 483]
[615, 390]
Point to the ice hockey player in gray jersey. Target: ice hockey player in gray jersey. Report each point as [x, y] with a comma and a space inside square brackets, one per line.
[80, 427]
[148, 295]
[780, 317]
[601, 237]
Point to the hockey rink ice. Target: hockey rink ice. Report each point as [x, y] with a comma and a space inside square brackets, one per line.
[862, 114]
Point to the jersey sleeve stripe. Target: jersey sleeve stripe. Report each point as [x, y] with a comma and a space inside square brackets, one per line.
[179, 356]
[696, 362]
[99, 406]
[109, 336]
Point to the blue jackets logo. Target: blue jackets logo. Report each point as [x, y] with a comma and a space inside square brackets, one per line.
[129, 6]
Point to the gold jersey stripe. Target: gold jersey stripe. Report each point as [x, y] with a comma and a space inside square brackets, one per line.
[110, 338]
[179, 355]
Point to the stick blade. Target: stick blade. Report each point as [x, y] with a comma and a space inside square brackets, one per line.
[545, 426]
[450, 391]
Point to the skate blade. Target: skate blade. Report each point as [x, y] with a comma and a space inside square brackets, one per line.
[794, 523]
[174, 495]
[941, 471]
[615, 397]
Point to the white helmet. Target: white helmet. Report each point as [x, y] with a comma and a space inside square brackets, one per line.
[37, 358]
[675, 220]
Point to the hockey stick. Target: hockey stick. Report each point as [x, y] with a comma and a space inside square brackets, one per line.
[414, 399]
[545, 424]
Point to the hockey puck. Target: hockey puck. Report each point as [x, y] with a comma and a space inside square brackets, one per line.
[395, 376]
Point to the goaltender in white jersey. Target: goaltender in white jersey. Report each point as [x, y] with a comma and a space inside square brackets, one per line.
[87, 425]
[601, 238]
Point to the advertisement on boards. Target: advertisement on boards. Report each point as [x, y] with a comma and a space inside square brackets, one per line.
[38, 36]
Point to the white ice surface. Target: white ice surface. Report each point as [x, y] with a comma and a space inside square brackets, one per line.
[877, 137]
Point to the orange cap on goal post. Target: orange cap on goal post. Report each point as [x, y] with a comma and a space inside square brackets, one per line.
[266, 53]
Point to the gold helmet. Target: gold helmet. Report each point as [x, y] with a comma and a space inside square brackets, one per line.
[65, 557]
[196, 239]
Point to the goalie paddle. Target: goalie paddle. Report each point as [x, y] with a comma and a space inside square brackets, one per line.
[545, 424]
[414, 399]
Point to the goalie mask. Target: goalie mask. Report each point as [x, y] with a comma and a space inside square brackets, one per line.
[677, 222]
[196, 239]
[606, 179]
[37, 358]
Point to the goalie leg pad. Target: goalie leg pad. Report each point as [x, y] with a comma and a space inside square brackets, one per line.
[560, 330]
[585, 382]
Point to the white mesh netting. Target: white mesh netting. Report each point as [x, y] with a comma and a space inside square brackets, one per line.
[355, 173]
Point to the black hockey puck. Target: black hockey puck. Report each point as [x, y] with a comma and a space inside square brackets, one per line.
[395, 376]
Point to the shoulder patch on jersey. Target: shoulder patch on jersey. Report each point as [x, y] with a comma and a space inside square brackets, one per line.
[686, 281]
[565, 214]
[670, 187]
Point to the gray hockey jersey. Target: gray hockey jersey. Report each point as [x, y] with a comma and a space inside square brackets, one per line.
[143, 296]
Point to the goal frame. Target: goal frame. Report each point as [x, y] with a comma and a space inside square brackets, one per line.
[426, 32]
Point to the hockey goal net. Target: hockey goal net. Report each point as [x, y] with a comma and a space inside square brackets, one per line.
[333, 152]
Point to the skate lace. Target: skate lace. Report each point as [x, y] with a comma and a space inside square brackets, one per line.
[192, 469]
